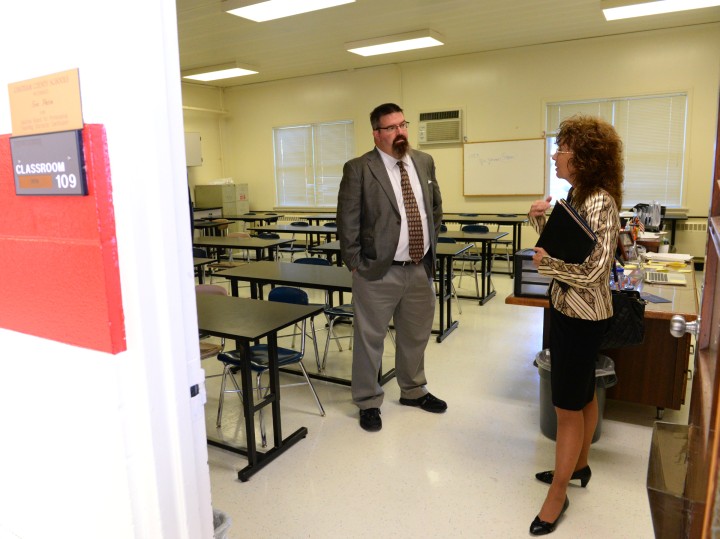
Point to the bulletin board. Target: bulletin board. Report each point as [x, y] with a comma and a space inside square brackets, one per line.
[504, 168]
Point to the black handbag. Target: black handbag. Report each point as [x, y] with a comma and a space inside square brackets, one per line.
[626, 327]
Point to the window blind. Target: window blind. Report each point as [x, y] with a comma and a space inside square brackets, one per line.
[308, 162]
[652, 129]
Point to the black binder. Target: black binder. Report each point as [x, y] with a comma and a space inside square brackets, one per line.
[566, 235]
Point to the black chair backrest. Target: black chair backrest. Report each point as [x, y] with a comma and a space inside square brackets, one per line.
[288, 294]
[443, 239]
[199, 252]
[313, 261]
[475, 228]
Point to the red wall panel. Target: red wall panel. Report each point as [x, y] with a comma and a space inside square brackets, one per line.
[59, 276]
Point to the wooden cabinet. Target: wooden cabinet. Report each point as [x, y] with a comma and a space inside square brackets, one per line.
[656, 372]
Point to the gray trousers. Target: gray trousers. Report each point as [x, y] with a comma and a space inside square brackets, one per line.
[407, 296]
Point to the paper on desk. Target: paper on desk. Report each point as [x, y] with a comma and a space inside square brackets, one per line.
[652, 298]
[668, 257]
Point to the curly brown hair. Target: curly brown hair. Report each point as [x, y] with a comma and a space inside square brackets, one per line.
[597, 157]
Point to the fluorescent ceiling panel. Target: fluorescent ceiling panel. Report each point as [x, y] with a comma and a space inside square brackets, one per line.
[626, 9]
[276, 9]
[400, 42]
[218, 72]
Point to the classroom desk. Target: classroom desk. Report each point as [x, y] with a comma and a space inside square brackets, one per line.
[309, 231]
[199, 264]
[445, 254]
[329, 278]
[317, 218]
[247, 320]
[485, 239]
[654, 373]
[515, 220]
[254, 217]
[206, 226]
[673, 219]
[220, 243]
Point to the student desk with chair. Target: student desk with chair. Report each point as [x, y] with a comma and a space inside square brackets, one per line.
[446, 252]
[220, 243]
[247, 320]
[310, 231]
[199, 264]
[255, 217]
[516, 221]
[486, 239]
[329, 278]
[656, 372]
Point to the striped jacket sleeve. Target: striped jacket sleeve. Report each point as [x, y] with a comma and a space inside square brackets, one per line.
[587, 295]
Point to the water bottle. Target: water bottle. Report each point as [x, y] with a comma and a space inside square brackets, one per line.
[620, 284]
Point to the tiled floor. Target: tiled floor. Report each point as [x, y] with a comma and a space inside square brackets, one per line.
[466, 473]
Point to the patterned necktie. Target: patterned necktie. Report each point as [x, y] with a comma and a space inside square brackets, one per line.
[417, 245]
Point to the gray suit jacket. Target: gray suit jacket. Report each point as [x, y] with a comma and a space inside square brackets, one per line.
[368, 216]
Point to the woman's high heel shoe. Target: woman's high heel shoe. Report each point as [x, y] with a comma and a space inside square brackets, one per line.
[540, 527]
[583, 474]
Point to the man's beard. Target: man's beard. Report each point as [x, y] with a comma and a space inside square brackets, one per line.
[400, 146]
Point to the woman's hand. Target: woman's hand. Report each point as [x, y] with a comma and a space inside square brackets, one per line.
[540, 253]
[539, 207]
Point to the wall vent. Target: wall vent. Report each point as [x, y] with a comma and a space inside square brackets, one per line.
[443, 127]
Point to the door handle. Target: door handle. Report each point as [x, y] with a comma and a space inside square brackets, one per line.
[679, 327]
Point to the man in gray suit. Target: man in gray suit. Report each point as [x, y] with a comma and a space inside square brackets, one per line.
[387, 198]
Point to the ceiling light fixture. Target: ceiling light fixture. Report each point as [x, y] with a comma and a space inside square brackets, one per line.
[396, 43]
[626, 9]
[276, 9]
[218, 72]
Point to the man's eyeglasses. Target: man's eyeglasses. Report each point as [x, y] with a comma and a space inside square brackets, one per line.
[393, 128]
[557, 152]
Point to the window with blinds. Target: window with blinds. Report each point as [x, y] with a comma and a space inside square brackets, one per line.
[652, 129]
[308, 163]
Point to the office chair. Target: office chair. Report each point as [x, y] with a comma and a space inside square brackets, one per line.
[258, 357]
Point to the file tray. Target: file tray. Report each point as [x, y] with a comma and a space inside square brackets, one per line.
[528, 283]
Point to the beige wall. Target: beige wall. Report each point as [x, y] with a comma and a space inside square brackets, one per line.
[502, 94]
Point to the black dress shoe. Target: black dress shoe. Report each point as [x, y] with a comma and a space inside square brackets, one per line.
[427, 402]
[370, 419]
[583, 474]
[540, 527]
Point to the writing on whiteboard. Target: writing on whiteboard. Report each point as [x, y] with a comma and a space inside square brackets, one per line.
[482, 161]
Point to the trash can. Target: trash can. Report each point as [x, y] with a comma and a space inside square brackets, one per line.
[604, 378]
[221, 523]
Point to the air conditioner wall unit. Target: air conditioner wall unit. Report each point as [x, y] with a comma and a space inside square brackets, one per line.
[444, 127]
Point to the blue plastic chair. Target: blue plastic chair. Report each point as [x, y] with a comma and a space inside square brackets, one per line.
[258, 356]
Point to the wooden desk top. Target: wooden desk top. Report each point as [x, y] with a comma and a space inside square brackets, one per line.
[683, 300]
[443, 249]
[202, 261]
[495, 218]
[289, 273]
[253, 216]
[295, 229]
[237, 243]
[471, 237]
[248, 319]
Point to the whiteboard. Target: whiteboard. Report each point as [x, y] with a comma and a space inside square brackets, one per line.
[504, 168]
